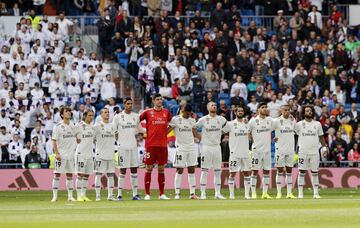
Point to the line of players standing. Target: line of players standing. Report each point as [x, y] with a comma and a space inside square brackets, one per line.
[73, 148]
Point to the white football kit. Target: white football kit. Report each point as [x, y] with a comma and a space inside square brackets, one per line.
[309, 144]
[212, 128]
[239, 159]
[186, 153]
[104, 150]
[127, 126]
[285, 145]
[260, 129]
[64, 135]
[85, 149]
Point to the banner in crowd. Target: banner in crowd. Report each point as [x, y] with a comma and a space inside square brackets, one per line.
[41, 179]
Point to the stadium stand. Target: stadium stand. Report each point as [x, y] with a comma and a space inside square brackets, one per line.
[231, 52]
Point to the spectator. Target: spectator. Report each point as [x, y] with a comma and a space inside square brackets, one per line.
[32, 159]
[108, 88]
[353, 156]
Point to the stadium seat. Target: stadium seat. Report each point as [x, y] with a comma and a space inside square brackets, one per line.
[123, 60]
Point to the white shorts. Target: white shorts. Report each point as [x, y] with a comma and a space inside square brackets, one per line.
[211, 157]
[284, 160]
[309, 161]
[184, 159]
[84, 166]
[104, 166]
[261, 161]
[64, 166]
[237, 164]
[128, 158]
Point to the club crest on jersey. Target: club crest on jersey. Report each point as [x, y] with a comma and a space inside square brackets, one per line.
[257, 122]
[63, 127]
[164, 115]
[303, 125]
[83, 126]
[281, 122]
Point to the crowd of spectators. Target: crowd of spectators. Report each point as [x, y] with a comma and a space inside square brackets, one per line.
[308, 58]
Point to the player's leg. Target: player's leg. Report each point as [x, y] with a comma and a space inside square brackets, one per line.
[206, 163]
[234, 167]
[149, 161]
[84, 187]
[279, 176]
[179, 164]
[192, 183]
[302, 172]
[162, 159]
[314, 166]
[98, 172]
[55, 186]
[231, 184]
[289, 163]
[279, 163]
[177, 181]
[217, 171]
[59, 168]
[255, 163]
[70, 186]
[266, 174]
[78, 184]
[110, 179]
[134, 183]
[246, 170]
[134, 164]
[121, 180]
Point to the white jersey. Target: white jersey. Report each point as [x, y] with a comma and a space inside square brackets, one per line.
[127, 126]
[183, 129]
[284, 131]
[238, 138]
[64, 135]
[105, 140]
[85, 132]
[260, 130]
[309, 133]
[212, 128]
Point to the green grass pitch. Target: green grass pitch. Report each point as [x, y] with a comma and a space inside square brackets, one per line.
[337, 208]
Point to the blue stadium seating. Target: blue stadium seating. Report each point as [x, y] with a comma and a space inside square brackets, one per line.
[123, 60]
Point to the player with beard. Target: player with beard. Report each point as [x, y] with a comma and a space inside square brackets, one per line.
[239, 151]
[310, 135]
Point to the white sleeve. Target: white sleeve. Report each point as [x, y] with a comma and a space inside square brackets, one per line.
[297, 128]
[173, 122]
[227, 127]
[320, 130]
[55, 134]
[200, 123]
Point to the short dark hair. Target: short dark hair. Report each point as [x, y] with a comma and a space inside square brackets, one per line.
[187, 108]
[86, 112]
[261, 104]
[156, 95]
[126, 99]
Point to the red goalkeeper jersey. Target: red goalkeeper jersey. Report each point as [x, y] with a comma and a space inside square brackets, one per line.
[156, 127]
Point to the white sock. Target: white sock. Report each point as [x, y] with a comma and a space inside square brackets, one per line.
[55, 186]
[247, 184]
[266, 182]
[217, 181]
[301, 183]
[84, 186]
[97, 184]
[231, 183]
[253, 184]
[315, 182]
[70, 186]
[110, 183]
[121, 180]
[192, 184]
[288, 180]
[78, 184]
[177, 183]
[203, 181]
[134, 183]
[278, 182]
